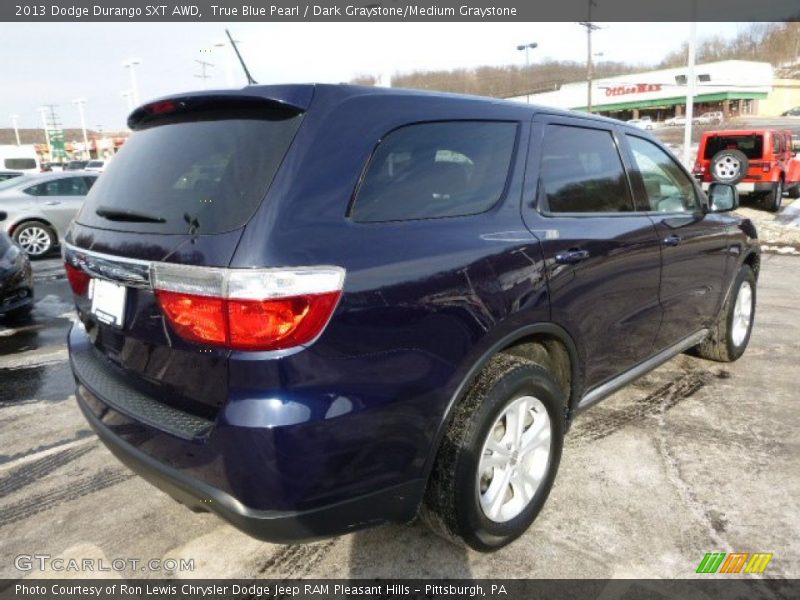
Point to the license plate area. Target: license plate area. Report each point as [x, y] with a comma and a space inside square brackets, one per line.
[108, 302]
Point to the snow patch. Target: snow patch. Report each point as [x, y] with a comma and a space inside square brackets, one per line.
[54, 307]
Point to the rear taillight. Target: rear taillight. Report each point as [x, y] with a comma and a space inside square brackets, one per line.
[78, 279]
[766, 166]
[248, 309]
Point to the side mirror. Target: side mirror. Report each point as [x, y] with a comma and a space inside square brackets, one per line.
[722, 197]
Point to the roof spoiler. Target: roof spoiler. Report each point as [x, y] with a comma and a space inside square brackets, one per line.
[291, 99]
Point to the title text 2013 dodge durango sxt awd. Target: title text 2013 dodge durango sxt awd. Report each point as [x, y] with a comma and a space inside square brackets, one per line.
[312, 309]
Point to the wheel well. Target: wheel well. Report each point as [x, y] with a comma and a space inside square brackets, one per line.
[549, 352]
[753, 260]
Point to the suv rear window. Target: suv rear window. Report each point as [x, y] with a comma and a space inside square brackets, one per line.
[432, 170]
[20, 163]
[205, 175]
[751, 145]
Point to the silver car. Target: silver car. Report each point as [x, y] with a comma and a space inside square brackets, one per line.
[35, 210]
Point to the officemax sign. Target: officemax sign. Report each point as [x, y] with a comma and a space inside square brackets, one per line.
[639, 88]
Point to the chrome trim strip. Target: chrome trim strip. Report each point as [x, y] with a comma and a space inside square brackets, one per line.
[111, 257]
[609, 387]
[130, 271]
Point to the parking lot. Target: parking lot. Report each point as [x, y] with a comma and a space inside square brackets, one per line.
[696, 457]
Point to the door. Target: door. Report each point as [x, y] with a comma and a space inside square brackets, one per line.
[60, 199]
[602, 256]
[694, 244]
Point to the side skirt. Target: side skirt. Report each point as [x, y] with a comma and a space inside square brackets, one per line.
[604, 390]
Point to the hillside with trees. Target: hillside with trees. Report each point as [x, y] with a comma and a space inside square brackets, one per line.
[776, 43]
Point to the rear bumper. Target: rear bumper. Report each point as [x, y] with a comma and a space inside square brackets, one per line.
[747, 187]
[274, 483]
[273, 526]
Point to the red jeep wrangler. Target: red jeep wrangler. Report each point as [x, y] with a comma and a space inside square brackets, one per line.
[760, 162]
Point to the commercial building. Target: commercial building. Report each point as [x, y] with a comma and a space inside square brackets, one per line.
[734, 87]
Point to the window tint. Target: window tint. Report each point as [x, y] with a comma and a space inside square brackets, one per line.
[436, 170]
[751, 145]
[208, 173]
[668, 188]
[68, 186]
[20, 163]
[581, 171]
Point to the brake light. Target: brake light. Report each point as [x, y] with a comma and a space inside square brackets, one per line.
[161, 107]
[248, 309]
[78, 279]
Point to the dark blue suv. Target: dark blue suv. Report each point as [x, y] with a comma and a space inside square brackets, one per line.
[313, 309]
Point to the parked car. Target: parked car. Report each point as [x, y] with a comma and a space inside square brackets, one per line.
[308, 341]
[709, 118]
[759, 162]
[6, 175]
[792, 112]
[96, 165]
[675, 121]
[16, 280]
[37, 209]
[76, 165]
[643, 123]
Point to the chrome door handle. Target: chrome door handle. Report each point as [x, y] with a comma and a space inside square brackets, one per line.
[572, 256]
[673, 240]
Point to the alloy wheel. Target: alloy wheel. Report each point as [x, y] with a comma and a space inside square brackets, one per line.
[514, 459]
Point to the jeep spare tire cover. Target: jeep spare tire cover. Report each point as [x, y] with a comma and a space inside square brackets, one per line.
[729, 166]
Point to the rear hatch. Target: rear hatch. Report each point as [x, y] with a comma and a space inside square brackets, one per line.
[179, 193]
[750, 144]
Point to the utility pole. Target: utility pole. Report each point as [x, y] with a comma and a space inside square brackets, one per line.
[203, 74]
[14, 122]
[690, 83]
[590, 27]
[43, 111]
[79, 102]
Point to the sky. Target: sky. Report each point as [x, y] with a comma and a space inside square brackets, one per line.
[56, 63]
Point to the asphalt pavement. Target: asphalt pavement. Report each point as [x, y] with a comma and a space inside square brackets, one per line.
[696, 457]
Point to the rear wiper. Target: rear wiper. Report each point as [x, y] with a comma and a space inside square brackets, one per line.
[115, 214]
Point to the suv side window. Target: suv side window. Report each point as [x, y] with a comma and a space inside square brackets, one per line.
[668, 188]
[432, 170]
[776, 144]
[581, 172]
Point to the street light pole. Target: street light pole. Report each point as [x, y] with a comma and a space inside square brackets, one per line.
[528, 47]
[128, 95]
[79, 102]
[131, 66]
[14, 122]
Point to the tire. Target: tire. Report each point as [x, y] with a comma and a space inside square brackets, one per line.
[457, 494]
[774, 199]
[727, 340]
[35, 238]
[729, 166]
[794, 191]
